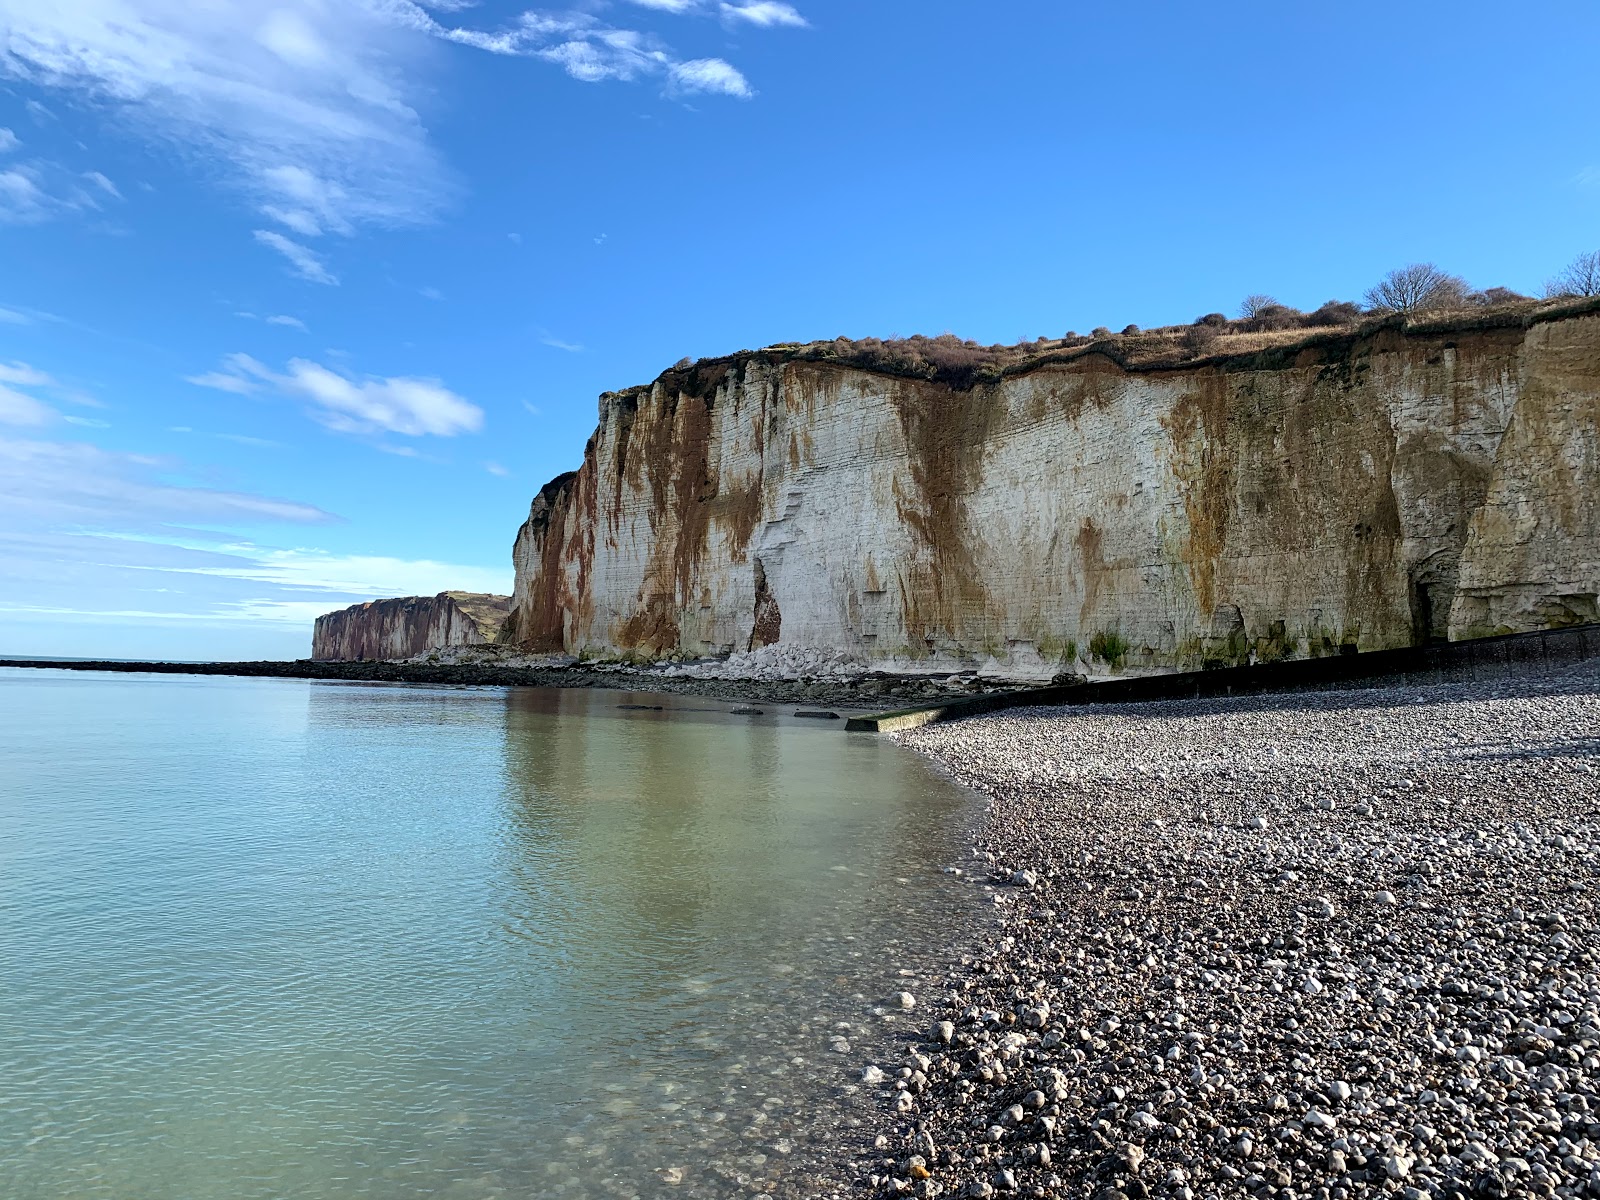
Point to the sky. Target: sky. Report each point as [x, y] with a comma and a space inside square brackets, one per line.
[301, 302]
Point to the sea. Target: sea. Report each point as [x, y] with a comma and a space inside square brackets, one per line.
[267, 938]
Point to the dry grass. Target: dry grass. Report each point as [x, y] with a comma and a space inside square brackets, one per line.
[960, 364]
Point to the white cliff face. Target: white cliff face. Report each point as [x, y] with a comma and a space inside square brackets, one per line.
[409, 626]
[1363, 491]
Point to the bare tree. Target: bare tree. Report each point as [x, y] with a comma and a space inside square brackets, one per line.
[1252, 305]
[1581, 278]
[1417, 288]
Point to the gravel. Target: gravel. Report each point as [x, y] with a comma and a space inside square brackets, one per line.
[1330, 945]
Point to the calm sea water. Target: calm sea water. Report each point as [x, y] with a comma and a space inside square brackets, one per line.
[270, 938]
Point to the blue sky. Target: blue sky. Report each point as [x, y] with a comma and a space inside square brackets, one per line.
[301, 302]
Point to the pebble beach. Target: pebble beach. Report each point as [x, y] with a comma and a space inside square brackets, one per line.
[1308, 946]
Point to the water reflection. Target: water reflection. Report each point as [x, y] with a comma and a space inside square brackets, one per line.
[276, 939]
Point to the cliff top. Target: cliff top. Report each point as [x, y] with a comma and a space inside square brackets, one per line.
[1215, 339]
[488, 612]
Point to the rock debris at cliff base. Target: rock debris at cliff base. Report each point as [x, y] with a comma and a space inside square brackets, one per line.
[1310, 946]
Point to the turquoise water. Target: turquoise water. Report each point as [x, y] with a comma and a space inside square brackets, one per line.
[271, 938]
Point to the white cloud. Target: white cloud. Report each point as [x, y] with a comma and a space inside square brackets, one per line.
[22, 200]
[413, 407]
[765, 13]
[104, 184]
[17, 408]
[362, 576]
[302, 259]
[10, 316]
[288, 322]
[167, 576]
[592, 51]
[310, 105]
[23, 375]
[407, 405]
[36, 191]
[20, 408]
[305, 101]
[557, 344]
[495, 468]
[8, 140]
[221, 381]
[711, 75]
[77, 484]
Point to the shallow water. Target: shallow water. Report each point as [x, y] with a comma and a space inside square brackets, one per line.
[273, 938]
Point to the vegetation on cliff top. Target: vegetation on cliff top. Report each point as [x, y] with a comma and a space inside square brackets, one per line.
[1420, 293]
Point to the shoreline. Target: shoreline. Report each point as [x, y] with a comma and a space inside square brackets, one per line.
[1311, 946]
[870, 690]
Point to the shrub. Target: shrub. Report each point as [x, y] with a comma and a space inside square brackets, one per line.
[1213, 320]
[1490, 297]
[1129, 330]
[1110, 647]
[1272, 317]
[683, 364]
[1334, 312]
[1100, 331]
[1420, 287]
[1580, 278]
[1199, 338]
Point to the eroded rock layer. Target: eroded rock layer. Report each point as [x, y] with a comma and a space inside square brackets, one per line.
[1358, 490]
[408, 626]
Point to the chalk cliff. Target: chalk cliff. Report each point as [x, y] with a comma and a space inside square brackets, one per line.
[411, 625]
[1354, 489]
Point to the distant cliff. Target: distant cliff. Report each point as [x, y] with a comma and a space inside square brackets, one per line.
[1128, 503]
[404, 628]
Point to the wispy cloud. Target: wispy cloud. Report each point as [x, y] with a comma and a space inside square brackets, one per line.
[590, 50]
[286, 322]
[19, 405]
[303, 260]
[167, 576]
[410, 406]
[495, 468]
[18, 408]
[10, 316]
[556, 343]
[82, 485]
[38, 190]
[312, 107]
[104, 184]
[22, 200]
[710, 75]
[305, 102]
[242, 439]
[765, 13]
[8, 140]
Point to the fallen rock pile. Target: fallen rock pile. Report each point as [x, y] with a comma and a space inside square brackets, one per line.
[1309, 947]
[774, 662]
